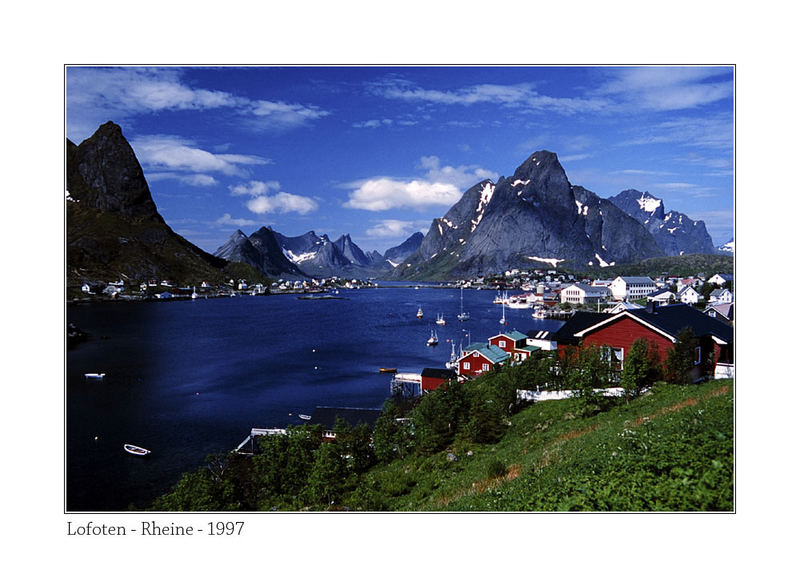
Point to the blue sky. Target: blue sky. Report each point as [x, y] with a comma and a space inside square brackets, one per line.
[378, 152]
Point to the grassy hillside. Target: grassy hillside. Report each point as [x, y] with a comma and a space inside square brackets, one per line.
[670, 450]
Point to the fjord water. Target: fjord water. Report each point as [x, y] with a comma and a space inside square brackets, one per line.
[185, 379]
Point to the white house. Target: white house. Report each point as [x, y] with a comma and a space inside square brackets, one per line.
[631, 288]
[721, 296]
[662, 296]
[582, 293]
[689, 296]
[720, 279]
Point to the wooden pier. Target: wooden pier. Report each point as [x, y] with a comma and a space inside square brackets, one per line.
[250, 440]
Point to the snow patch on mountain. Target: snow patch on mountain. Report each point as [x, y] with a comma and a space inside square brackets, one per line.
[549, 260]
[649, 204]
[486, 197]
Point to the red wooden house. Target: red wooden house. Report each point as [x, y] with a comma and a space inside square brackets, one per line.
[433, 378]
[660, 326]
[480, 358]
[514, 343]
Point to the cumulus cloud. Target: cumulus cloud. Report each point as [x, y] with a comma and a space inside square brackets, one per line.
[179, 154]
[282, 203]
[384, 193]
[442, 186]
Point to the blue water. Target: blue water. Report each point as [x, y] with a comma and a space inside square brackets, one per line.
[189, 378]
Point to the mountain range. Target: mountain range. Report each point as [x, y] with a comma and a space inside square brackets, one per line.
[537, 217]
[532, 219]
[312, 255]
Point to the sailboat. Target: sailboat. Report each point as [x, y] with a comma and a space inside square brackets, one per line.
[453, 363]
[194, 293]
[463, 316]
[433, 339]
[440, 319]
[419, 313]
[503, 318]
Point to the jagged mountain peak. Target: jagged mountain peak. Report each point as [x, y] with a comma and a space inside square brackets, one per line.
[103, 172]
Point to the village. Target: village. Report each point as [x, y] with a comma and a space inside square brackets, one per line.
[612, 313]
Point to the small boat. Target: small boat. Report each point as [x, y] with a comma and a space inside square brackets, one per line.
[388, 370]
[419, 313]
[194, 293]
[304, 416]
[433, 339]
[440, 320]
[94, 375]
[538, 313]
[503, 318]
[453, 363]
[136, 450]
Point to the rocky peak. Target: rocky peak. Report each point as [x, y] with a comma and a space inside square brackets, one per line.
[104, 173]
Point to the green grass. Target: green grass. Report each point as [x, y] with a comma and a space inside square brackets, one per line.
[670, 450]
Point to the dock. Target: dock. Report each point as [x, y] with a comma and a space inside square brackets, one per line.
[254, 433]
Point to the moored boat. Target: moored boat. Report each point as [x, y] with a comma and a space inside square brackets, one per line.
[440, 320]
[94, 375]
[419, 313]
[136, 450]
[433, 339]
[304, 416]
[463, 315]
[388, 370]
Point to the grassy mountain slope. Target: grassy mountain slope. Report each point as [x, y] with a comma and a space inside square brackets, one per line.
[670, 450]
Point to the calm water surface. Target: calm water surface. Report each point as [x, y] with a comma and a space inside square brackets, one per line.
[189, 378]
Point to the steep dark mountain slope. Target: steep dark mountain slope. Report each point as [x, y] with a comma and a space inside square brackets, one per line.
[113, 227]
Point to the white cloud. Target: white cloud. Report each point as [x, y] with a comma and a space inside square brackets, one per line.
[382, 194]
[280, 116]
[669, 88]
[282, 203]
[442, 186]
[196, 180]
[95, 95]
[394, 229]
[226, 219]
[178, 154]
[522, 95]
[255, 188]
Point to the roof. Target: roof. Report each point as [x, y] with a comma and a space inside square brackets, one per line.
[512, 335]
[579, 321]
[670, 320]
[646, 280]
[438, 373]
[326, 416]
[589, 288]
[540, 334]
[530, 348]
[724, 309]
[490, 352]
